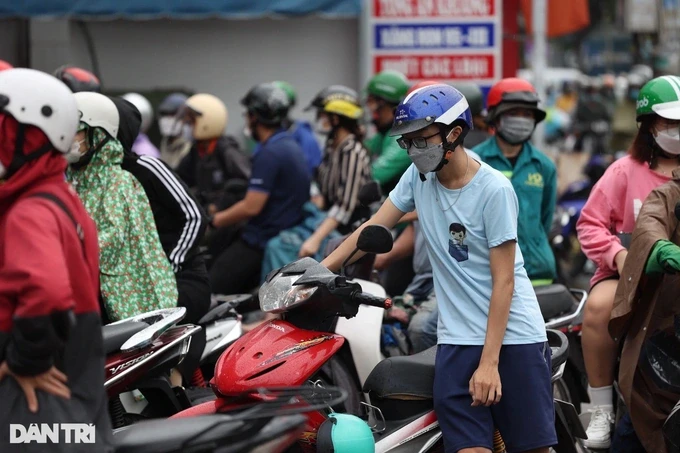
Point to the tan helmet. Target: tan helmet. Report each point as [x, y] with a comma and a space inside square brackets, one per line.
[210, 116]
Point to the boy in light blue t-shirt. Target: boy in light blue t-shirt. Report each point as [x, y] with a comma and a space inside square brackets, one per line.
[492, 352]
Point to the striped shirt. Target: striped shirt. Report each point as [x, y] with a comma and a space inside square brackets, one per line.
[342, 173]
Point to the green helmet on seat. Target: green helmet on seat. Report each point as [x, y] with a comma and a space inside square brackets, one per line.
[660, 96]
[388, 85]
[344, 433]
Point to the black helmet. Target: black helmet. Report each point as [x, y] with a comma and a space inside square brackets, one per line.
[78, 79]
[332, 93]
[268, 102]
[474, 96]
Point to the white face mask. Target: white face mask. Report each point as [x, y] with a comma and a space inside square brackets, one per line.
[170, 126]
[323, 126]
[73, 155]
[669, 140]
[247, 133]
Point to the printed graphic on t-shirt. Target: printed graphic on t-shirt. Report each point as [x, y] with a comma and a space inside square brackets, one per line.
[457, 248]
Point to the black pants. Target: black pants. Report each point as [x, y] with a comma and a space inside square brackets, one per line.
[237, 270]
[193, 286]
[625, 439]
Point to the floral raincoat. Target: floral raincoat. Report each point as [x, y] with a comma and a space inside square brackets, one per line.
[136, 277]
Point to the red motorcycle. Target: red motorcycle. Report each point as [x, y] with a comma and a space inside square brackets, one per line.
[293, 350]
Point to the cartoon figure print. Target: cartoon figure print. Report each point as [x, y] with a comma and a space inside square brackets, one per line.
[457, 248]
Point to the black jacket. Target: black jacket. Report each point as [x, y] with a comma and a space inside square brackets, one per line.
[180, 220]
[215, 176]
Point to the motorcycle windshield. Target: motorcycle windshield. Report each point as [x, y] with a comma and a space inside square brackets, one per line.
[660, 358]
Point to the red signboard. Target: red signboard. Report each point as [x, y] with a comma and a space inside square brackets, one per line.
[433, 8]
[447, 67]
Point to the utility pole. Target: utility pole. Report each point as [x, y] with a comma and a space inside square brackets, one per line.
[539, 19]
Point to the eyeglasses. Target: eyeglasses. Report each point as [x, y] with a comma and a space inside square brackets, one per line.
[418, 142]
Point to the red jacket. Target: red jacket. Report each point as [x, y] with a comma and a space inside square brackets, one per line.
[49, 294]
[44, 279]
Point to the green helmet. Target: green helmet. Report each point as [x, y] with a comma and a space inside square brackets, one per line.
[660, 96]
[388, 85]
[474, 96]
[344, 433]
[290, 91]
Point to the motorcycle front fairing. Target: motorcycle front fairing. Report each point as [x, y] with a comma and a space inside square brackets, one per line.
[276, 354]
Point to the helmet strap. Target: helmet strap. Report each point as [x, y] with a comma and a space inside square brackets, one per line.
[449, 146]
[21, 158]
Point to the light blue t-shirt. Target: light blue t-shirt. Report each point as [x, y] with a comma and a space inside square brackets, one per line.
[459, 236]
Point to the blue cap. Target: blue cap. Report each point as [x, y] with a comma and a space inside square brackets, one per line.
[172, 103]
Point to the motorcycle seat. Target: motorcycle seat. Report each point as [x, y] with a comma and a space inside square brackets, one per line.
[115, 335]
[157, 436]
[206, 433]
[554, 300]
[404, 377]
[225, 308]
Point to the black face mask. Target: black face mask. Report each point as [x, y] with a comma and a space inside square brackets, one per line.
[383, 128]
[252, 125]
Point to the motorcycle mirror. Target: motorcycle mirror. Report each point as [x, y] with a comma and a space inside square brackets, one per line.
[370, 193]
[375, 239]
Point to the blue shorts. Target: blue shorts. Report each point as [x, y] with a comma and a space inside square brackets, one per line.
[525, 416]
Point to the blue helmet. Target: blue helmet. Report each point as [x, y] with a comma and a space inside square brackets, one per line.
[432, 104]
[171, 104]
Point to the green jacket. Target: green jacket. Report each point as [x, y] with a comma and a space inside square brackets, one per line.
[391, 161]
[136, 276]
[534, 178]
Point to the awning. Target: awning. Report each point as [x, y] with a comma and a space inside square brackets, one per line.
[176, 9]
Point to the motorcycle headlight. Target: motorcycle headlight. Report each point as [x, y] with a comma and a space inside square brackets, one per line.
[280, 294]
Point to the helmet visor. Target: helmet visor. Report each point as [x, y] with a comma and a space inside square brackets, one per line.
[406, 127]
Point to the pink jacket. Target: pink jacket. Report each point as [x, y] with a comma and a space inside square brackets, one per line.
[612, 208]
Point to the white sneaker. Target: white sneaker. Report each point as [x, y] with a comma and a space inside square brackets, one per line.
[600, 428]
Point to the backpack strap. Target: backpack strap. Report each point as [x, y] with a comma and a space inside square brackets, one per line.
[61, 205]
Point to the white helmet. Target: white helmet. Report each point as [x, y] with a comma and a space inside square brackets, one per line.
[97, 110]
[39, 99]
[144, 107]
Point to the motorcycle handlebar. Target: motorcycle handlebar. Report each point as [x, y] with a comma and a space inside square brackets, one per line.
[373, 301]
